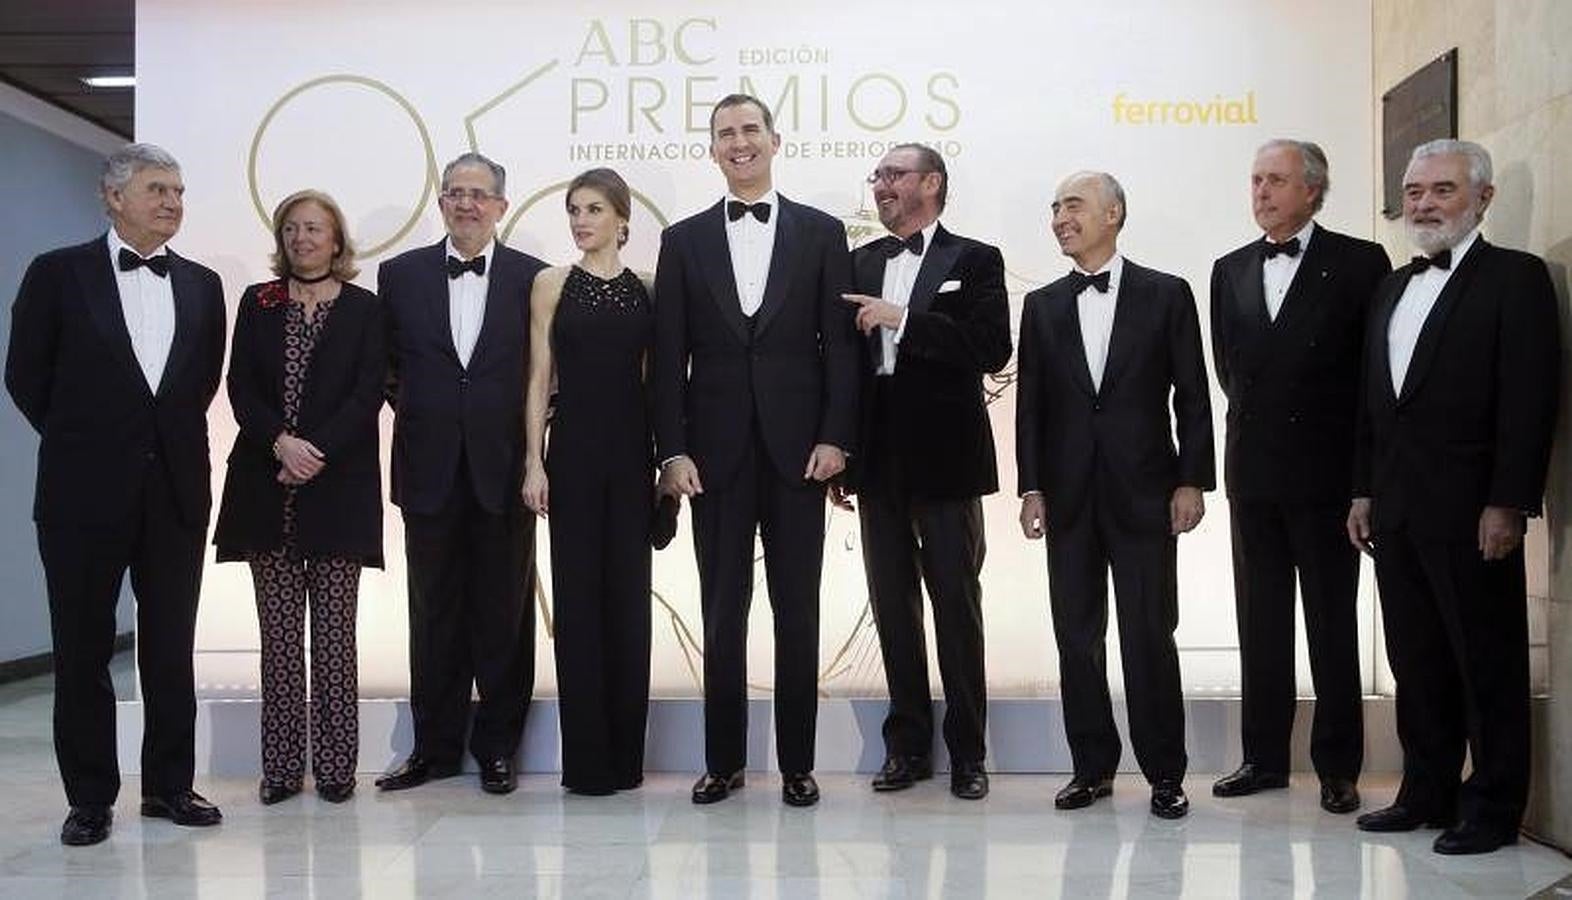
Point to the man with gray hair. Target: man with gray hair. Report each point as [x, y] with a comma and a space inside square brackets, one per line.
[458, 323]
[1462, 364]
[1288, 324]
[1102, 351]
[117, 346]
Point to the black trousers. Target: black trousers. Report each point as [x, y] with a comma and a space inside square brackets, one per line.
[1457, 638]
[471, 576]
[1146, 598]
[906, 544]
[84, 565]
[600, 575]
[1271, 541]
[789, 519]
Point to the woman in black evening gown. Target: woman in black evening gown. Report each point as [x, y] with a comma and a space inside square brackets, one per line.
[591, 327]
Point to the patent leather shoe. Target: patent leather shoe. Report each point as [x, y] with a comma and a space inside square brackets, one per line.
[336, 793]
[799, 789]
[714, 787]
[497, 775]
[1397, 818]
[969, 780]
[1339, 795]
[86, 825]
[1082, 792]
[415, 771]
[1169, 801]
[271, 792]
[1471, 837]
[901, 772]
[182, 808]
[1246, 780]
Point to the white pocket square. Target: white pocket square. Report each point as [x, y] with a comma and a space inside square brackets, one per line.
[951, 285]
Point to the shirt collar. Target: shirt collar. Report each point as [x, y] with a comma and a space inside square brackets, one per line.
[450, 250]
[116, 244]
[1302, 236]
[1114, 267]
[1461, 248]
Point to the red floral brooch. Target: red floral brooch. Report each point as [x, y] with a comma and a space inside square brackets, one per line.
[272, 294]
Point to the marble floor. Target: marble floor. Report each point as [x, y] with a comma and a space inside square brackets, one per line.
[450, 840]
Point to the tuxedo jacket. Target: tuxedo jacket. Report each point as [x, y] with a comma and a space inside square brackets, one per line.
[931, 421]
[1072, 439]
[73, 374]
[1473, 425]
[339, 512]
[791, 367]
[1293, 382]
[442, 406]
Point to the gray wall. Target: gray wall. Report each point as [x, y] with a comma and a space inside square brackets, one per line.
[48, 185]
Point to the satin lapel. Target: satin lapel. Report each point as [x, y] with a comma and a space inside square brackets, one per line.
[497, 287]
[188, 317]
[1435, 323]
[101, 293]
[1380, 323]
[936, 264]
[433, 274]
[1072, 346]
[1131, 302]
[1309, 281]
[714, 253]
[783, 265]
[869, 263]
[1250, 311]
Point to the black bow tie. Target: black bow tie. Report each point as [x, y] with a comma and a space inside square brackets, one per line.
[896, 246]
[1442, 260]
[736, 209]
[457, 267]
[1289, 248]
[130, 261]
[1079, 281]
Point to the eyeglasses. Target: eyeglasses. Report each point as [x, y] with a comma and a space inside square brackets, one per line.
[473, 195]
[890, 174]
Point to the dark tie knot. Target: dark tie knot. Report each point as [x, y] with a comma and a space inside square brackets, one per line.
[1288, 248]
[1442, 260]
[736, 209]
[457, 267]
[1080, 281]
[897, 246]
[131, 261]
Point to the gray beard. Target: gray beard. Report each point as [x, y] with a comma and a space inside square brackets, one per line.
[1432, 239]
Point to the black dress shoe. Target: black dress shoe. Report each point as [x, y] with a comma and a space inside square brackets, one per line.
[183, 808]
[1472, 837]
[86, 825]
[1082, 792]
[1246, 780]
[1397, 818]
[1338, 795]
[271, 792]
[414, 772]
[968, 781]
[497, 776]
[713, 787]
[799, 789]
[901, 772]
[1169, 801]
[336, 793]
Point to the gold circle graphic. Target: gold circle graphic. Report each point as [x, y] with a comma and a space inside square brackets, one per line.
[536, 197]
[396, 97]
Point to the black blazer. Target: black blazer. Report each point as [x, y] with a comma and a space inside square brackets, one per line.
[339, 512]
[73, 374]
[1293, 383]
[794, 367]
[933, 422]
[1474, 423]
[440, 405]
[1071, 439]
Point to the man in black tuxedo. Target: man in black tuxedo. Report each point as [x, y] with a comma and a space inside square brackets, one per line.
[1101, 350]
[116, 350]
[1459, 405]
[755, 383]
[936, 317]
[1288, 324]
[458, 315]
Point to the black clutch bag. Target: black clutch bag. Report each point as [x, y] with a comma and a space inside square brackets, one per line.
[663, 521]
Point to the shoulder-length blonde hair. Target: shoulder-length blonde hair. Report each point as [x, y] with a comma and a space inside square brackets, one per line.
[343, 267]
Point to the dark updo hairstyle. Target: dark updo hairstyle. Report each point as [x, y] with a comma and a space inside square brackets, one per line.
[613, 188]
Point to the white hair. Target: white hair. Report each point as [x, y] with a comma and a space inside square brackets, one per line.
[1480, 172]
[1315, 167]
[124, 163]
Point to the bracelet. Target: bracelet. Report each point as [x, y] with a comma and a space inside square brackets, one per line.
[277, 453]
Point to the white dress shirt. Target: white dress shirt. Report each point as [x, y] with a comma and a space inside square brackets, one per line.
[752, 244]
[1097, 316]
[467, 303]
[1413, 308]
[1277, 273]
[900, 274]
[148, 303]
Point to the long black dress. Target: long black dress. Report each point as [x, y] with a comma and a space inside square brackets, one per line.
[601, 471]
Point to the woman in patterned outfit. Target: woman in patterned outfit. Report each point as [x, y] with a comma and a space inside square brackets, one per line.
[303, 496]
[591, 327]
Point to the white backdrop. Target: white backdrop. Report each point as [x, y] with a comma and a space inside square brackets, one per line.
[368, 99]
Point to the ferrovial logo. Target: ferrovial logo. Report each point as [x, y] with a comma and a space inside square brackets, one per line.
[1219, 110]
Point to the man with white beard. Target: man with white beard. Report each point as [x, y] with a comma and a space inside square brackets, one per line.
[1456, 418]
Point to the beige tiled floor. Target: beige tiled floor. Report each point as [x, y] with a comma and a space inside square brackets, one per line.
[450, 840]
